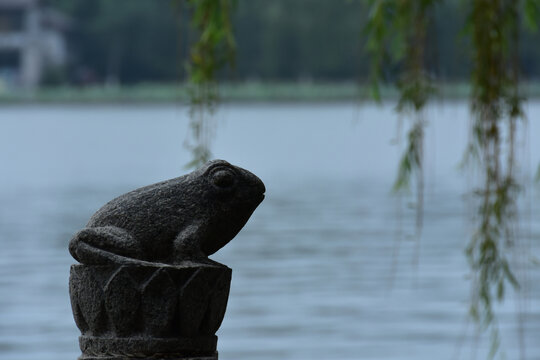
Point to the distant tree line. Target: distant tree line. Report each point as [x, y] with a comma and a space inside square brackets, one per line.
[132, 41]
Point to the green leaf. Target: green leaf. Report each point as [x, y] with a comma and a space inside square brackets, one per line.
[495, 343]
[509, 275]
[473, 312]
[500, 290]
[531, 12]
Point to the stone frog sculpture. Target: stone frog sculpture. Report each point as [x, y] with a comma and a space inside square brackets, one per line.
[182, 219]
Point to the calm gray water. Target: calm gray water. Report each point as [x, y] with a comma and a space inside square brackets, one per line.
[318, 272]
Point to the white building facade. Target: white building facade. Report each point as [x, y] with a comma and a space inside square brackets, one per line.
[31, 40]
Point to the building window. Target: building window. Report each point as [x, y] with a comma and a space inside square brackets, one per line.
[11, 20]
[9, 59]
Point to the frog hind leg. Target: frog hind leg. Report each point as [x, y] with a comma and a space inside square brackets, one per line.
[105, 245]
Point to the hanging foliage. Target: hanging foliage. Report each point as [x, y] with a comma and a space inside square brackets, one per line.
[214, 48]
[496, 108]
[397, 35]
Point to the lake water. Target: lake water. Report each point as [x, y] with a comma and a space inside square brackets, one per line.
[325, 268]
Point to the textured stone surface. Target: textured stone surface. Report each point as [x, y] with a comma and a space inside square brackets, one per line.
[186, 218]
[141, 310]
[157, 301]
[145, 288]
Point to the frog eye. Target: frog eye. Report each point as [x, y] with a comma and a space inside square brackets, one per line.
[223, 178]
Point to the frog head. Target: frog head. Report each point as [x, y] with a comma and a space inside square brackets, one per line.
[231, 195]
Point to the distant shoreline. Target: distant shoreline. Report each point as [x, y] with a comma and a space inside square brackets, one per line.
[248, 92]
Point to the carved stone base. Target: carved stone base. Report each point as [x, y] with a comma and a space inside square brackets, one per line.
[149, 312]
[137, 348]
[122, 357]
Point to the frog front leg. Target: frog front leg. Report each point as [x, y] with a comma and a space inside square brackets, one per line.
[187, 244]
[105, 245]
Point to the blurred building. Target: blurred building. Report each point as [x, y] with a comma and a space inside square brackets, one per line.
[31, 41]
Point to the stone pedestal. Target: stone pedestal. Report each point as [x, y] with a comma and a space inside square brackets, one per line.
[149, 311]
